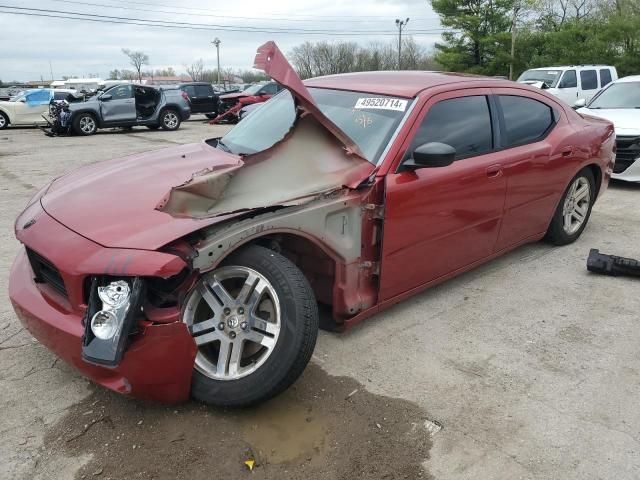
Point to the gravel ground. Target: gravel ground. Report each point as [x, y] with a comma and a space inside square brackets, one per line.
[527, 367]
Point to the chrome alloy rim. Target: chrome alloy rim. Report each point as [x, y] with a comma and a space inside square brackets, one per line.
[170, 120]
[87, 124]
[576, 205]
[2, 121]
[233, 314]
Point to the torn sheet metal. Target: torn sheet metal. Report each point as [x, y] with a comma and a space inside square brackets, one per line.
[270, 59]
[309, 162]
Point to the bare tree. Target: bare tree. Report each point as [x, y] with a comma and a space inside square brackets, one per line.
[196, 70]
[137, 60]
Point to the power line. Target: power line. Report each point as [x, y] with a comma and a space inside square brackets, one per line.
[286, 14]
[345, 19]
[190, 26]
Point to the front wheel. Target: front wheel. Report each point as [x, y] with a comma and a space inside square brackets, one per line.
[574, 209]
[255, 322]
[4, 121]
[169, 120]
[85, 124]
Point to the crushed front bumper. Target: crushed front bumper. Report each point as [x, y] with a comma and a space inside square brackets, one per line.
[158, 362]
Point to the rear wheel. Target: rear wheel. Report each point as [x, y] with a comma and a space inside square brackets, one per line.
[85, 124]
[255, 322]
[169, 120]
[574, 209]
[4, 121]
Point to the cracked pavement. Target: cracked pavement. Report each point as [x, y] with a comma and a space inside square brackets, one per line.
[529, 363]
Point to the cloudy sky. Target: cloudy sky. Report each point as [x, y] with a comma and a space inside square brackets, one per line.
[80, 47]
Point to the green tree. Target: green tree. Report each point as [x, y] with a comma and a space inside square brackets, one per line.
[479, 40]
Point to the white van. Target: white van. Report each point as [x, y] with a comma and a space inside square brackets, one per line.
[571, 83]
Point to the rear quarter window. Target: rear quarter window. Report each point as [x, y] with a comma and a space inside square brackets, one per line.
[605, 77]
[525, 120]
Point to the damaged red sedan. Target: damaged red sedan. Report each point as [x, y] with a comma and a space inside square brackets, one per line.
[199, 269]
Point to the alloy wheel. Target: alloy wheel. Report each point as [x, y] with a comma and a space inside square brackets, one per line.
[170, 120]
[87, 124]
[3, 121]
[576, 205]
[233, 314]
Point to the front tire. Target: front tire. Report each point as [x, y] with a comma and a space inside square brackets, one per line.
[211, 116]
[573, 211]
[4, 121]
[85, 124]
[255, 321]
[170, 120]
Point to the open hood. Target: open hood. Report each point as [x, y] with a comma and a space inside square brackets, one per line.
[315, 158]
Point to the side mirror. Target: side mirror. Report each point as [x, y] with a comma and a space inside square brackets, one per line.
[431, 155]
[106, 97]
[581, 102]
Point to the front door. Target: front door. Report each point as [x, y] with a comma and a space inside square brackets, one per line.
[439, 220]
[568, 87]
[118, 105]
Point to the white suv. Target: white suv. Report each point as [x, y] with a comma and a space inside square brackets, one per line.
[571, 83]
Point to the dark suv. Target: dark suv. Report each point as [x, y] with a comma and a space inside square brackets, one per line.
[129, 105]
[202, 96]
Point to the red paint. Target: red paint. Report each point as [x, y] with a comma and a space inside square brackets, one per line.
[437, 223]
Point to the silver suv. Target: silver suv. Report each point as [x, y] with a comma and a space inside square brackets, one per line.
[130, 105]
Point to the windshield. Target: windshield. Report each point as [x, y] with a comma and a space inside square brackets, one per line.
[618, 95]
[550, 77]
[253, 89]
[367, 119]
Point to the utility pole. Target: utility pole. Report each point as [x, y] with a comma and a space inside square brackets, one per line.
[51, 70]
[514, 23]
[400, 24]
[216, 42]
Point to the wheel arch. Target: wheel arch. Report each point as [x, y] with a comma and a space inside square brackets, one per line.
[596, 170]
[95, 115]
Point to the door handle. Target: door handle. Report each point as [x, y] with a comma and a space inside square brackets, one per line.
[567, 151]
[494, 171]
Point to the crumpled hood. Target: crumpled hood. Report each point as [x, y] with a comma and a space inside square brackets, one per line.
[229, 96]
[114, 203]
[626, 121]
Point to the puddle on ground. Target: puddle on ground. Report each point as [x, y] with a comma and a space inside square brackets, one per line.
[319, 429]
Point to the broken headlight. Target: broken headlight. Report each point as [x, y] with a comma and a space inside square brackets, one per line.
[111, 315]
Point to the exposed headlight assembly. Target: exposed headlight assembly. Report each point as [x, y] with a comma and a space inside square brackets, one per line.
[110, 318]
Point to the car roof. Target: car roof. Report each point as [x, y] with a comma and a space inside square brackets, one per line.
[566, 67]
[400, 83]
[630, 78]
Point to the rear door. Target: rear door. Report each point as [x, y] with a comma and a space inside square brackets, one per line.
[119, 106]
[206, 99]
[588, 83]
[439, 220]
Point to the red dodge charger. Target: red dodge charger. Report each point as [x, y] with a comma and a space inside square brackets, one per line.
[198, 270]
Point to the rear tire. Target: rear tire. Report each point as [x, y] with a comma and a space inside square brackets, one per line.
[288, 334]
[4, 121]
[85, 124]
[573, 211]
[170, 120]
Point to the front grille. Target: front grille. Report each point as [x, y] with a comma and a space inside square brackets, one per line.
[627, 150]
[45, 272]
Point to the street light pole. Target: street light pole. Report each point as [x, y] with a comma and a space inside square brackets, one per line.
[400, 24]
[216, 42]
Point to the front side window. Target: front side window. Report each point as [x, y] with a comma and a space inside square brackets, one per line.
[589, 79]
[464, 123]
[605, 77]
[569, 80]
[525, 120]
[202, 91]
[269, 89]
[190, 90]
[120, 92]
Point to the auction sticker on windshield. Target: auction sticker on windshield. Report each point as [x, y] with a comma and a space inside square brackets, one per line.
[382, 103]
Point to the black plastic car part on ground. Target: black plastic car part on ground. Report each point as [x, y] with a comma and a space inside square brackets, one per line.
[612, 265]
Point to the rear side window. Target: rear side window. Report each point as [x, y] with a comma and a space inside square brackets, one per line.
[203, 91]
[605, 77]
[464, 123]
[569, 80]
[589, 79]
[525, 120]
